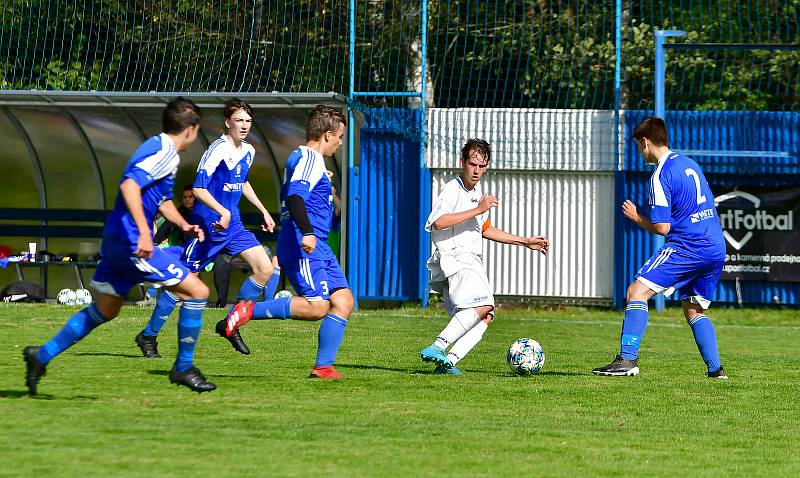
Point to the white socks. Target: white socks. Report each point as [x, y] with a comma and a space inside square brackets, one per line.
[467, 342]
[461, 322]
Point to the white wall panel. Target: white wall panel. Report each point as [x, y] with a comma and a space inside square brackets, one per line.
[567, 140]
[574, 210]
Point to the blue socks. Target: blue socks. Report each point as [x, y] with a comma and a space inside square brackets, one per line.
[272, 284]
[706, 340]
[273, 309]
[251, 290]
[331, 333]
[76, 328]
[164, 307]
[189, 324]
[633, 329]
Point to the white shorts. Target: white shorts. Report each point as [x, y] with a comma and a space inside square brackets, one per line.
[462, 282]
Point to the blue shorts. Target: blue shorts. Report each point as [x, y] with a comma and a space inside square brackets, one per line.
[197, 255]
[312, 278]
[119, 270]
[695, 279]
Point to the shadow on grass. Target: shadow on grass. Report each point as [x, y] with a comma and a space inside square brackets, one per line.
[158, 372]
[107, 354]
[40, 396]
[371, 367]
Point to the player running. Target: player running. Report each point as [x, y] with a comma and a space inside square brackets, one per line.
[458, 222]
[219, 185]
[128, 256]
[691, 260]
[304, 256]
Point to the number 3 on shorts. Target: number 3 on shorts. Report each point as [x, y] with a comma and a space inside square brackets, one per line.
[175, 270]
[324, 285]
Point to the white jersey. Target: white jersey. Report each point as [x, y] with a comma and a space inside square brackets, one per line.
[465, 237]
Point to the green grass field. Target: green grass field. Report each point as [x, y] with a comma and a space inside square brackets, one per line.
[106, 411]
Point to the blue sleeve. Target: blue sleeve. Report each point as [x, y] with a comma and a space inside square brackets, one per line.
[140, 176]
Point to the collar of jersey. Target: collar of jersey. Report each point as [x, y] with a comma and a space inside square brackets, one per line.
[664, 156]
[461, 183]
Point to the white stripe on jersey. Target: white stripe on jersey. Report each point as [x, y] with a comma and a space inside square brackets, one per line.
[657, 195]
[210, 161]
[163, 162]
[310, 168]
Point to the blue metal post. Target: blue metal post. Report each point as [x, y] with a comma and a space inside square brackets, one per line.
[617, 106]
[660, 78]
[424, 176]
[352, 172]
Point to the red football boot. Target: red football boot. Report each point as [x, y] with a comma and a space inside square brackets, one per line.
[240, 315]
[324, 371]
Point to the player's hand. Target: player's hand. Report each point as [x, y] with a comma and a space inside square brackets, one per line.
[309, 243]
[630, 211]
[269, 223]
[222, 223]
[193, 230]
[487, 202]
[538, 243]
[144, 246]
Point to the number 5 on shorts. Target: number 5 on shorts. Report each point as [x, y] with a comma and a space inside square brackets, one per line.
[175, 270]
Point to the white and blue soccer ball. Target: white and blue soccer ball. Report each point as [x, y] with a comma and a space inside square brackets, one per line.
[525, 356]
[83, 297]
[283, 293]
[67, 297]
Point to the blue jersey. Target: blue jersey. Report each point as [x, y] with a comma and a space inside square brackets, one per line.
[680, 196]
[223, 173]
[153, 167]
[305, 176]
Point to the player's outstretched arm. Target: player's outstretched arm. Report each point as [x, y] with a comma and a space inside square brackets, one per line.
[446, 221]
[132, 194]
[630, 211]
[224, 215]
[250, 194]
[535, 243]
[168, 210]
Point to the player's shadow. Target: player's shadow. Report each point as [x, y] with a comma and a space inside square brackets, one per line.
[158, 372]
[552, 373]
[208, 375]
[107, 354]
[40, 396]
[371, 367]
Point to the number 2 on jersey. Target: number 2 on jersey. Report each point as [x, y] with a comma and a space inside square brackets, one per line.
[700, 197]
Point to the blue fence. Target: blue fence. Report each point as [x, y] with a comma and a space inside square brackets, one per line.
[771, 132]
[387, 267]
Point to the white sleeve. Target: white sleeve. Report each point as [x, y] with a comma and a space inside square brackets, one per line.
[209, 162]
[309, 170]
[442, 205]
[160, 164]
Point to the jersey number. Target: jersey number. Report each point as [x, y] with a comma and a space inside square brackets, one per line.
[175, 270]
[324, 285]
[691, 172]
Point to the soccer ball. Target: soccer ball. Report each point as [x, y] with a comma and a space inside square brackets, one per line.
[83, 297]
[525, 356]
[283, 293]
[67, 297]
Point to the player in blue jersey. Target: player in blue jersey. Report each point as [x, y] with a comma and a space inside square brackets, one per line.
[690, 261]
[304, 256]
[128, 256]
[219, 185]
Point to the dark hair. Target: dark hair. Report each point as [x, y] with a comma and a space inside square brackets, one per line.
[477, 145]
[322, 119]
[234, 104]
[180, 114]
[188, 187]
[652, 128]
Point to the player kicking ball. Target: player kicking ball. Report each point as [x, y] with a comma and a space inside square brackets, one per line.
[220, 182]
[304, 256]
[458, 223]
[691, 260]
[128, 256]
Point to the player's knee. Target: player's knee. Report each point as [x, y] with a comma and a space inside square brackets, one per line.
[320, 309]
[634, 293]
[485, 313]
[342, 303]
[198, 290]
[262, 272]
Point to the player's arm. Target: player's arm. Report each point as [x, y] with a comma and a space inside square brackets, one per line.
[630, 211]
[206, 198]
[297, 208]
[171, 214]
[446, 221]
[535, 243]
[132, 194]
[250, 194]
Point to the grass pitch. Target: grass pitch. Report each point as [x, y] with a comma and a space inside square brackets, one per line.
[106, 411]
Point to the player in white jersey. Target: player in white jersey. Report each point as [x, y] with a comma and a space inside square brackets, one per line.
[458, 223]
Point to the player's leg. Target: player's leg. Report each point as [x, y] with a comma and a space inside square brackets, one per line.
[111, 281]
[331, 330]
[696, 300]
[469, 340]
[245, 245]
